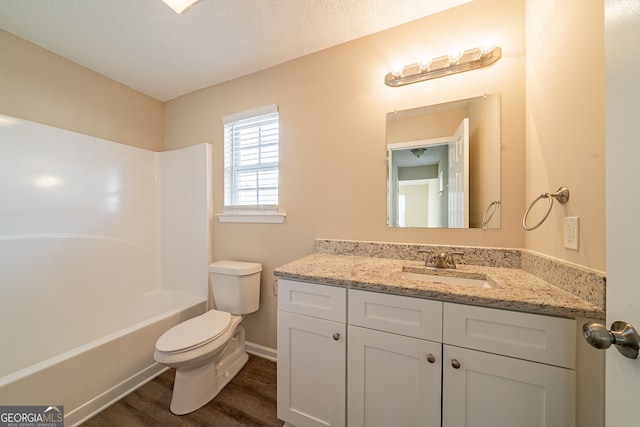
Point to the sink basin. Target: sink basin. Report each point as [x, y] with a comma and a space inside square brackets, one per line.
[452, 280]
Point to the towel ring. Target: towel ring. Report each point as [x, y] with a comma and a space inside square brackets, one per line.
[486, 220]
[562, 196]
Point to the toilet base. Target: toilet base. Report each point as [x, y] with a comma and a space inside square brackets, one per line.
[194, 387]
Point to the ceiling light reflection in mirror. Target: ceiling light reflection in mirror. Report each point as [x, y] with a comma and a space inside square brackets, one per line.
[181, 6]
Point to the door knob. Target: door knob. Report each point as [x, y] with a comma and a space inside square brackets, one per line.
[622, 334]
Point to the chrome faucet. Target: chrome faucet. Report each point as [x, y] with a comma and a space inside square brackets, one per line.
[441, 260]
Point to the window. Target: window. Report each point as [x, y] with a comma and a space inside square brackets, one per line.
[251, 153]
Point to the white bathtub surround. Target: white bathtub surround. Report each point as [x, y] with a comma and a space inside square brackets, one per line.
[186, 207]
[103, 247]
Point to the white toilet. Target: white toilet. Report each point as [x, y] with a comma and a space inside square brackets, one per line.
[208, 350]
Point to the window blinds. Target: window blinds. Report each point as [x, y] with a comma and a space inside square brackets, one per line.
[251, 151]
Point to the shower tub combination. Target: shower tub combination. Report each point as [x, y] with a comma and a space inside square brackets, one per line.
[102, 250]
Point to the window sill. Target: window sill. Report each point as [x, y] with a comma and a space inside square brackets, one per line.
[252, 217]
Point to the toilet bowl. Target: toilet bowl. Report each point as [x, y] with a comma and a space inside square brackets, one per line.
[207, 351]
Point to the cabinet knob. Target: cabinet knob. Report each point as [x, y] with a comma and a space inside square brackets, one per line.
[455, 364]
[336, 336]
[431, 358]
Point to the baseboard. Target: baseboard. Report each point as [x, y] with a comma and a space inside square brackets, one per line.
[117, 392]
[262, 351]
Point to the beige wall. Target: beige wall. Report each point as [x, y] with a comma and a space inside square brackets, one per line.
[333, 107]
[429, 125]
[565, 123]
[484, 161]
[38, 85]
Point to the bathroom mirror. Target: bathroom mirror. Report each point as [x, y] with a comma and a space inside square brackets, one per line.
[444, 165]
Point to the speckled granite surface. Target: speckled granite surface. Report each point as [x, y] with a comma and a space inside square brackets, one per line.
[490, 257]
[582, 282]
[378, 267]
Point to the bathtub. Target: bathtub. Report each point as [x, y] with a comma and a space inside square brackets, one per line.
[87, 378]
[103, 247]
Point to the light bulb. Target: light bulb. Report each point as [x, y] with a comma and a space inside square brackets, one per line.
[487, 48]
[424, 64]
[396, 71]
[455, 56]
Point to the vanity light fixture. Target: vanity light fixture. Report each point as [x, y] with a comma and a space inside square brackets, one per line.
[455, 62]
[181, 6]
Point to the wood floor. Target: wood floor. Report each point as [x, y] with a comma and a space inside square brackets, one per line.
[248, 400]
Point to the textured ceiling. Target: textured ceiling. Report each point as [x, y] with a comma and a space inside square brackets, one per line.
[146, 46]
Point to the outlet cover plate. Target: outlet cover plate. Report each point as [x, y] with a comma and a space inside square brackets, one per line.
[572, 232]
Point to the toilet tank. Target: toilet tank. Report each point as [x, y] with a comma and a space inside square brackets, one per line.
[236, 286]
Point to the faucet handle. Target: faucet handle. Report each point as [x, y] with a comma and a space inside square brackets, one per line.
[429, 257]
[451, 262]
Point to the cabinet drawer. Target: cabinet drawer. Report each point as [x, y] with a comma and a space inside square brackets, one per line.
[311, 299]
[544, 339]
[413, 317]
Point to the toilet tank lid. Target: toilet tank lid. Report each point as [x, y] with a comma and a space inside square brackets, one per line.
[235, 268]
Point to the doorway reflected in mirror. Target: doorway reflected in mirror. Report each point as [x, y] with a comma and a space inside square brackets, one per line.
[444, 164]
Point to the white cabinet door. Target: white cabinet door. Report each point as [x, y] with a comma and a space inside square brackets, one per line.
[391, 381]
[498, 391]
[311, 371]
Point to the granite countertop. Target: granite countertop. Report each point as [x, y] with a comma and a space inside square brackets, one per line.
[514, 289]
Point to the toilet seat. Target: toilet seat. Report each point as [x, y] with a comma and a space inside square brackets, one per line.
[194, 332]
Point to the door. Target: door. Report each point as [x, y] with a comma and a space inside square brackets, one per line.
[311, 371]
[482, 389]
[622, 88]
[393, 380]
[459, 177]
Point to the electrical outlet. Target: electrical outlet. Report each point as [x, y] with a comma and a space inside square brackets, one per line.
[571, 232]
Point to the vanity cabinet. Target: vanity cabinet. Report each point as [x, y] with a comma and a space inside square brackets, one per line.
[312, 348]
[503, 368]
[370, 359]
